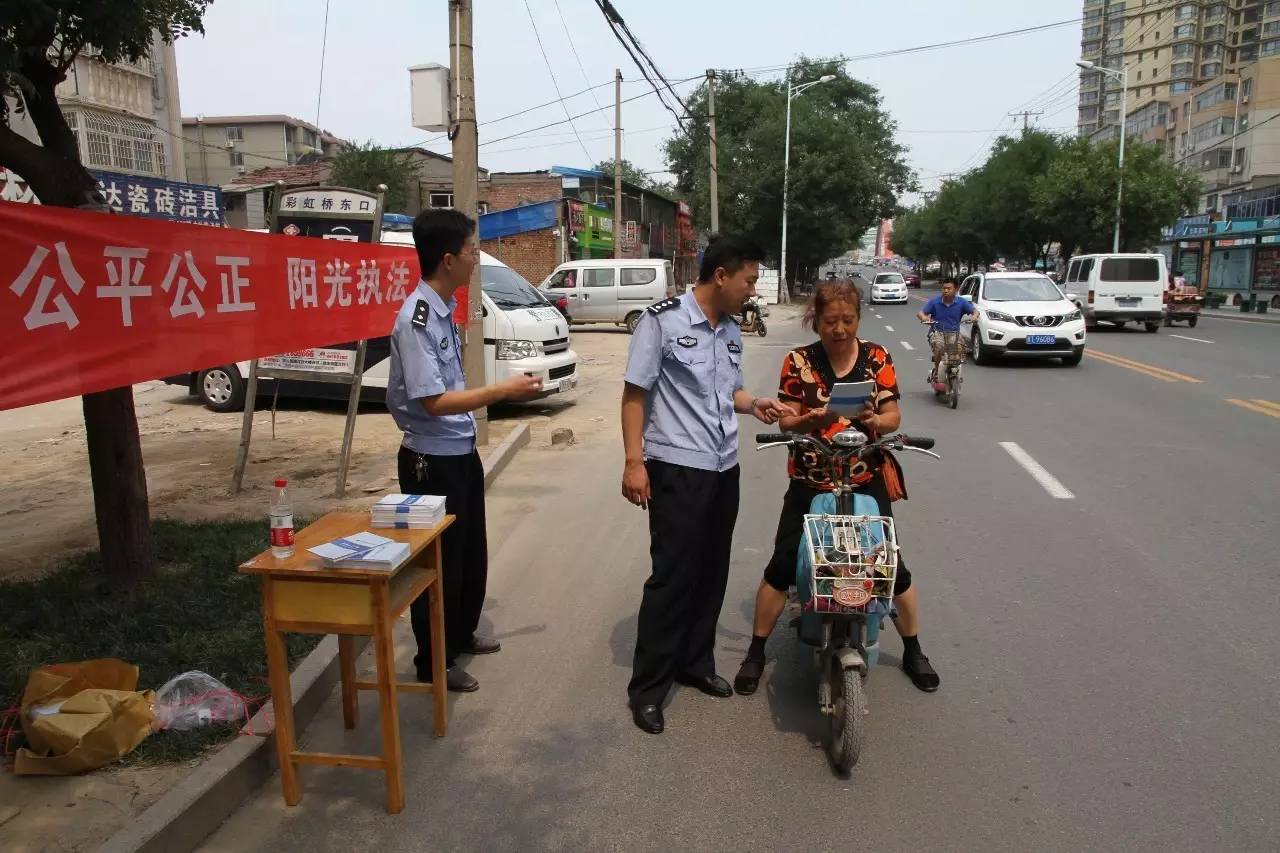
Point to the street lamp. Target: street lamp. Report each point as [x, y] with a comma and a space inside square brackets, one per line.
[783, 291]
[1123, 76]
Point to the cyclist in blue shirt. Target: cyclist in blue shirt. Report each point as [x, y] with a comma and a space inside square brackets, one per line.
[946, 312]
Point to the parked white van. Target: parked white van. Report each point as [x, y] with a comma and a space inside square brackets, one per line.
[1118, 288]
[523, 334]
[611, 290]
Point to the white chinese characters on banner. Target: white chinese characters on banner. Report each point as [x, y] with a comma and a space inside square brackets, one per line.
[232, 284]
[397, 281]
[39, 315]
[367, 283]
[337, 279]
[188, 285]
[301, 276]
[124, 276]
[50, 281]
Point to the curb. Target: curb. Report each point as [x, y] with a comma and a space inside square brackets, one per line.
[1239, 317]
[503, 453]
[183, 818]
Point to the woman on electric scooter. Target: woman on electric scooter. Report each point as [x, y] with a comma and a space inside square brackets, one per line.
[808, 374]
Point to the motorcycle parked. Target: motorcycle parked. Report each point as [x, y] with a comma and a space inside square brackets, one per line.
[753, 321]
[845, 571]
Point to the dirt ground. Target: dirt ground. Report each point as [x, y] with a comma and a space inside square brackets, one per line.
[46, 512]
[46, 504]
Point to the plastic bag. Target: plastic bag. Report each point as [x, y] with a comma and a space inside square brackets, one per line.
[196, 699]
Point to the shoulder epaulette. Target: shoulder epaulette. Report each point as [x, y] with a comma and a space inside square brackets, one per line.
[664, 305]
[420, 314]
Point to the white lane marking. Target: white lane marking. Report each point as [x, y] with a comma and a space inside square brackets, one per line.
[1037, 471]
[1197, 340]
[906, 345]
[888, 328]
[878, 317]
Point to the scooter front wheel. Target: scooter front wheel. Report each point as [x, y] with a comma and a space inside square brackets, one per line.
[848, 712]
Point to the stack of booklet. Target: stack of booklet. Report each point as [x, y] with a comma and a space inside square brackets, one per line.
[408, 511]
[362, 551]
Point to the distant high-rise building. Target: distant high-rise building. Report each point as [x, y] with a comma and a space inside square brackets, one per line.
[1170, 47]
[1196, 71]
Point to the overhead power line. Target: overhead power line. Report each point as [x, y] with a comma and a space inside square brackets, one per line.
[554, 83]
[882, 54]
[632, 46]
[573, 47]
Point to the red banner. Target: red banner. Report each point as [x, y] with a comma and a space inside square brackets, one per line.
[95, 301]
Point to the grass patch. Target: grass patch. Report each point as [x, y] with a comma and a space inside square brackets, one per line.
[199, 612]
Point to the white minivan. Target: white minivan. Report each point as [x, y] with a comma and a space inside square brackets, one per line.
[1118, 288]
[523, 334]
[611, 290]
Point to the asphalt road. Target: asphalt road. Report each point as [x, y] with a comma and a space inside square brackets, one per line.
[1108, 658]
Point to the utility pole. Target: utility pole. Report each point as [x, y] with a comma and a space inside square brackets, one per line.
[617, 162]
[715, 168]
[1026, 115]
[466, 189]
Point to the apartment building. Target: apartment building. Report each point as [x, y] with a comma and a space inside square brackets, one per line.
[1203, 82]
[1169, 47]
[222, 148]
[125, 115]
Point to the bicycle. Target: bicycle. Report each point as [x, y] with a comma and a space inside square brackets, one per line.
[951, 366]
[845, 571]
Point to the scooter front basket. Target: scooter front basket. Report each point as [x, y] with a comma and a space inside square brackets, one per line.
[848, 563]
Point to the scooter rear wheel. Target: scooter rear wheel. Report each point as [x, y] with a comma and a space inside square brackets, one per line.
[848, 712]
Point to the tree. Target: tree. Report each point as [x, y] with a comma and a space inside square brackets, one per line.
[39, 42]
[365, 166]
[1077, 195]
[847, 171]
[631, 173]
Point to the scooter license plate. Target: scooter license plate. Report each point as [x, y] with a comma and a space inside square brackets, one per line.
[1040, 340]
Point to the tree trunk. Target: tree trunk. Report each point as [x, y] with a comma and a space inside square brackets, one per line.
[119, 484]
[58, 178]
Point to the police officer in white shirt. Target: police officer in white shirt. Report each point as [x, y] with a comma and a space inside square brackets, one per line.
[680, 408]
[428, 398]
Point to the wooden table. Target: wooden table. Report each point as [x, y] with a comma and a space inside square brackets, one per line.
[301, 595]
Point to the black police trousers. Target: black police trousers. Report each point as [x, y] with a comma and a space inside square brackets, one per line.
[691, 518]
[465, 549]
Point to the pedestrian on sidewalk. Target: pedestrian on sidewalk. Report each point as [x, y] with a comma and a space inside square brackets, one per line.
[429, 400]
[680, 404]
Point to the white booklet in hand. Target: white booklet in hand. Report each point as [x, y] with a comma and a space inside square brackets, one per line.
[849, 398]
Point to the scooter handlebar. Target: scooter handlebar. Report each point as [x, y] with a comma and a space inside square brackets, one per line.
[920, 443]
[772, 437]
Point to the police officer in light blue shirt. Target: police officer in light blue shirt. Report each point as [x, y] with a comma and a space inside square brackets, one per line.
[680, 408]
[429, 400]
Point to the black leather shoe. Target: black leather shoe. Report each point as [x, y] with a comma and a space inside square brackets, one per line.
[748, 678]
[459, 680]
[482, 646]
[712, 685]
[648, 718]
[921, 673]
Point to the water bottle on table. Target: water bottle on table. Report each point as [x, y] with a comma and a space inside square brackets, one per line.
[281, 521]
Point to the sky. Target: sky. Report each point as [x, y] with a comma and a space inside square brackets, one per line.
[949, 104]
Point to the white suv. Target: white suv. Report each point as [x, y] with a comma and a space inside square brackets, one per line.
[888, 287]
[1024, 315]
